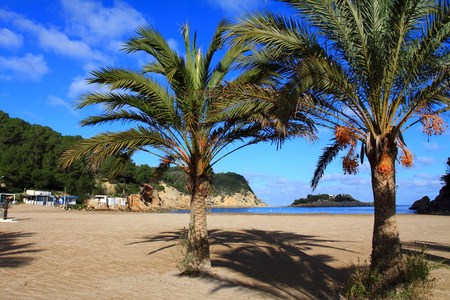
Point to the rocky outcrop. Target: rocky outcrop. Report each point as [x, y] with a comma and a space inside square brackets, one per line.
[135, 203]
[327, 203]
[172, 198]
[150, 195]
[147, 199]
[243, 199]
[440, 204]
[421, 204]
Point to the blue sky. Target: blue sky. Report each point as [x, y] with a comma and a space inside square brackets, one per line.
[48, 47]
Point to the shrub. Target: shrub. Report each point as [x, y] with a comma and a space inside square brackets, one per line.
[189, 263]
[414, 281]
[159, 188]
[78, 206]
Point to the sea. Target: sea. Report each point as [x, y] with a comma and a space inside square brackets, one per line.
[401, 209]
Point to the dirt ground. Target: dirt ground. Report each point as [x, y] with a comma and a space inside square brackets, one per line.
[51, 253]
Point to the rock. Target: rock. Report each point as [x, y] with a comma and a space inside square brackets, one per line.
[135, 203]
[440, 204]
[173, 198]
[420, 204]
[150, 195]
[245, 199]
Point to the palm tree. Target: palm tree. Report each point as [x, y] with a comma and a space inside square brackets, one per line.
[368, 70]
[178, 121]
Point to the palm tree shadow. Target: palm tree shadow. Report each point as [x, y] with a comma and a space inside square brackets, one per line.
[13, 254]
[275, 262]
[278, 262]
[418, 246]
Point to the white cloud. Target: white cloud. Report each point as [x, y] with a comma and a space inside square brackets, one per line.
[433, 146]
[58, 102]
[425, 160]
[346, 179]
[29, 66]
[9, 39]
[78, 86]
[54, 40]
[173, 45]
[276, 190]
[237, 6]
[426, 176]
[59, 42]
[95, 23]
[419, 186]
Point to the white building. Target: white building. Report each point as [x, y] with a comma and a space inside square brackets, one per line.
[46, 198]
[103, 199]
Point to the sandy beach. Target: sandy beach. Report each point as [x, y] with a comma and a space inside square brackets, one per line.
[51, 253]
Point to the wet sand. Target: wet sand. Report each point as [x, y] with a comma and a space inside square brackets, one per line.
[56, 254]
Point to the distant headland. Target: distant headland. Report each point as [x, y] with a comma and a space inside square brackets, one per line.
[326, 200]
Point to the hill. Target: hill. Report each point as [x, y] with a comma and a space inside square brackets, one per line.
[30, 155]
[326, 200]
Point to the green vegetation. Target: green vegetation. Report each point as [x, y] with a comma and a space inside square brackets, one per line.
[313, 198]
[29, 159]
[230, 183]
[446, 178]
[222, 183]
[30, 156]
[414, 280]
[189, 262]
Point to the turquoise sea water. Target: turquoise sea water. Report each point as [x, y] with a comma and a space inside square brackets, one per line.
[401, 209]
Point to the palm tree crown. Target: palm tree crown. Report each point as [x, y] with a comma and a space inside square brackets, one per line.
[179, 121]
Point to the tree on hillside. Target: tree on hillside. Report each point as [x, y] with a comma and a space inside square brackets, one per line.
[177, 121]
[29, 159]
[446, 178]
[368, 70]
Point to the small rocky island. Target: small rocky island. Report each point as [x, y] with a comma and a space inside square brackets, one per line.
[326, 200]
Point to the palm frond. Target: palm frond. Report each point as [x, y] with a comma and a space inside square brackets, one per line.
[329, 154]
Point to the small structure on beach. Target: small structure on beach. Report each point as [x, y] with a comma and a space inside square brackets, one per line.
[8, 197]
[33, 197]
[110, 201]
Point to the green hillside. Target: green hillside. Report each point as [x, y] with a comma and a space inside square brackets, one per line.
[29, 157]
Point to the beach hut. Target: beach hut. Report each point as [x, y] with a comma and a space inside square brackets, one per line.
[110, 201]
[46, 198]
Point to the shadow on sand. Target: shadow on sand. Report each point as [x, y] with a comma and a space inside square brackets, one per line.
[418, 246]
[281, 264]
[14, 254]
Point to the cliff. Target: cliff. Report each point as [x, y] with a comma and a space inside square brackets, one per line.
[173, 198]
[441, 204]
[169, 198]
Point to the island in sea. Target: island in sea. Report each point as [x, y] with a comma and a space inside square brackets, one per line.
[326, 200]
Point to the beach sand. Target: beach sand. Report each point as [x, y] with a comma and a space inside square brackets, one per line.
[56, 254]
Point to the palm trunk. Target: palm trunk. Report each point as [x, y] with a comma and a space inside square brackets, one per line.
[386, 255]
[198, 233]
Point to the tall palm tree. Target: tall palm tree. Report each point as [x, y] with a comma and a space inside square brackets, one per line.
[368, 70]
[176, 120]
